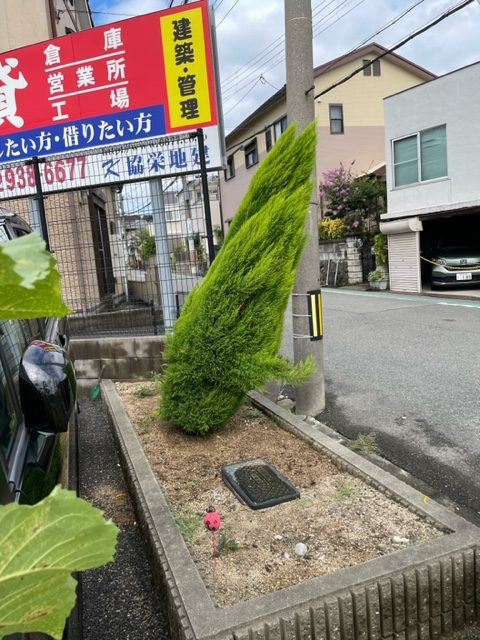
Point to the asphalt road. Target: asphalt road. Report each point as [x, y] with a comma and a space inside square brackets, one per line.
[408, 369]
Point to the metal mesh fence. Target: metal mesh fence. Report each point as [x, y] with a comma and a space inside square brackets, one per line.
[128, 251]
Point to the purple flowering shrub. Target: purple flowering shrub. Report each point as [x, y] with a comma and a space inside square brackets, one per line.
[357, 201]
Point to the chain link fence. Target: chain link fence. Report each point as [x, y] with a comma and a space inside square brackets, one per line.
[129, 251]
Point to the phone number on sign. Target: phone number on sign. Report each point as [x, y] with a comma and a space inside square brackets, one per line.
[55, 172]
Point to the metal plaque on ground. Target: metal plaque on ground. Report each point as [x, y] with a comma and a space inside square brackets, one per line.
[258, 483]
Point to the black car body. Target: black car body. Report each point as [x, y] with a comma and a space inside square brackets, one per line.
[37, 394]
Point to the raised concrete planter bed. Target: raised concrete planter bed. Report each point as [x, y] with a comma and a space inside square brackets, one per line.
[419, 593]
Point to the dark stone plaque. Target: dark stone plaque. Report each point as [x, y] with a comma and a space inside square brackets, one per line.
[258, 483]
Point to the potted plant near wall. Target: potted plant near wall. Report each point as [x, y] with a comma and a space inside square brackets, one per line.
[378, 278]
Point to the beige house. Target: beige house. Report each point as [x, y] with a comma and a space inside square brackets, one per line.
[349, 116]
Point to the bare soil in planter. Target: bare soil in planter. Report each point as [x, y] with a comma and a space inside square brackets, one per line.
[342, 520]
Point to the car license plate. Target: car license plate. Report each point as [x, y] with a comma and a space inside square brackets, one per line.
[464, 276]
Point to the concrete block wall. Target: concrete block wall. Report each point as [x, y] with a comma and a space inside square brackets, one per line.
[333, 263]
[340, 262]
[124, 358]
[354, 261]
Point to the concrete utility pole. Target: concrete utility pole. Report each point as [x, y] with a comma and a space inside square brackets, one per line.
[310, 397]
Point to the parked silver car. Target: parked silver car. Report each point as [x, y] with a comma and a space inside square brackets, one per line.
[457, 263]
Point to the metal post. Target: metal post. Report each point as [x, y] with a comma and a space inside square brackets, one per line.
[124, 242]
[39, 198]
[206, 195]
[310, 396]
[162, 256]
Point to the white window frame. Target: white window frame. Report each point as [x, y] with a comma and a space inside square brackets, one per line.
[251, 149]
[279, 127]
[341, 120]
[418, 137]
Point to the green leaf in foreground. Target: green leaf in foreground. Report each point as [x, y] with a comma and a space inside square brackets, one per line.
[40, 546]
[29, 282]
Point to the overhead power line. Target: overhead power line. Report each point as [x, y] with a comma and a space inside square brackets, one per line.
[370, 38]
[413, 35]
[276, 47]
[232, 86]
[231, 8]
[243, 97]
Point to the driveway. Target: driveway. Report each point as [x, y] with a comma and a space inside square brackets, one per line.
[407, 368]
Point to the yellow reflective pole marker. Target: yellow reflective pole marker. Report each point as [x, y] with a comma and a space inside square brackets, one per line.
[315, 313]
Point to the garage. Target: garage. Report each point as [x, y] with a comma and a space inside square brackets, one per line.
[403, 254]
[450, 240]
[454, 242]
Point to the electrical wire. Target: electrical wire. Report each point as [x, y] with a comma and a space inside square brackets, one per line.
[232, 87]
[231, 8]
[236, 77]
[396, 19]
[263, 80]
[243, 97]
[316, 32]
[413, 35]
[278, 43]
[229, 91]
[370, 38]
[104, 13]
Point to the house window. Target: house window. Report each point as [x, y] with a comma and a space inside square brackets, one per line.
[230, 168]
[251, 153]
[420, 157]
[336, 118]
[172, 215]
[268, 139]
[371, 67]
[279, 127]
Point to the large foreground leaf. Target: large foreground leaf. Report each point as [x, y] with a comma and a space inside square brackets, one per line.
[29, 281]
[40, 546]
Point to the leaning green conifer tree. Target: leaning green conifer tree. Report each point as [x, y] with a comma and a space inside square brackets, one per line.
[228, 336]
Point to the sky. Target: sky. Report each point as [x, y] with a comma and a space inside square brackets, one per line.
[250, 37]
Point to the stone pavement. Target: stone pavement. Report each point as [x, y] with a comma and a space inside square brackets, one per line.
[118, 601]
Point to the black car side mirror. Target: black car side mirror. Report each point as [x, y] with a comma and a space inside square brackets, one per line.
[47, 387]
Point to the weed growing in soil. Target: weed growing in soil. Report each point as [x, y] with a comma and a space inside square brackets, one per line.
[344, 490]
[144, 392]
[227, 543]
[364, 442]
[145, 423]
[251, 412]
[188, 522]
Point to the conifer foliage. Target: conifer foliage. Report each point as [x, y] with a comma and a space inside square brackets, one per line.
[227, 338]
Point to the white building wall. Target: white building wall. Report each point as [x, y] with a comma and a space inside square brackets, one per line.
[454, 100]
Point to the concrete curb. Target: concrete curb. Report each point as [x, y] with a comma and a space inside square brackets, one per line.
[419, 593]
